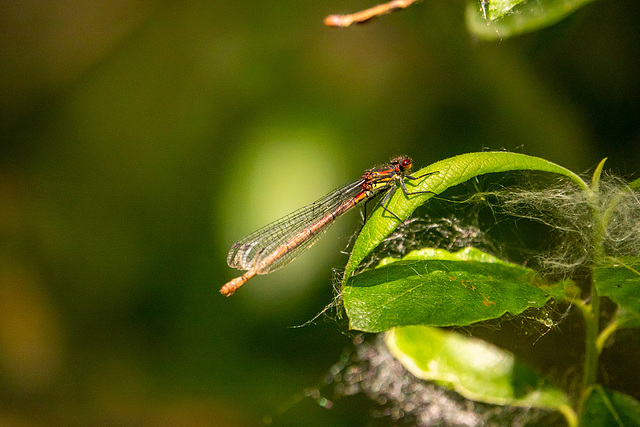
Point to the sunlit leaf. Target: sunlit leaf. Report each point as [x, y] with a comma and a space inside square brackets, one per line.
[438, 288]
[474, 368]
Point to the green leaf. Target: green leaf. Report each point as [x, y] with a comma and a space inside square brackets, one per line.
[501, 19]
[624, 319]
[450, 172]
[619, 279]
[475, 369]
[610, 408]
[494, 9]
[437, 288]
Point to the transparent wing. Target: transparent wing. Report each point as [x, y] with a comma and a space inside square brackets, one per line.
[255, 247]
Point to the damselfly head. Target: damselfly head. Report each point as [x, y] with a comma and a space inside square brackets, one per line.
[403, 163]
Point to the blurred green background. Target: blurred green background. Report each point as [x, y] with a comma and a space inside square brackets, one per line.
[140, 139]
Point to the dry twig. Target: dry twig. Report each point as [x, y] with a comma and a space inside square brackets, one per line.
[344, 21]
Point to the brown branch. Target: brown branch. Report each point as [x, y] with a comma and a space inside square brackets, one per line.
[344, 21]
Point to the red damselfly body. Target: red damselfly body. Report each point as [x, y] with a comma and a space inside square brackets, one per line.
[280, 242]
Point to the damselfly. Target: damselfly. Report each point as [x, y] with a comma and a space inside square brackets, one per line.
[280, 242]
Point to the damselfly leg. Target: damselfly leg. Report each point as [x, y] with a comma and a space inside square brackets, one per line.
[390, 193]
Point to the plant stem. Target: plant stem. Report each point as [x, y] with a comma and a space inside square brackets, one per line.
[592, 314]
[591, 310]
